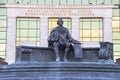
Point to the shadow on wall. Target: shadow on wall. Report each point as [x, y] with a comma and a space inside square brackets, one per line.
[118, 61]
[2, 62]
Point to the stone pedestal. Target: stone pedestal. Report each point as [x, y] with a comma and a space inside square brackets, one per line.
[60, 71]
[45, 54]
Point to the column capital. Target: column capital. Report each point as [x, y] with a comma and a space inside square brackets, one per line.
[75, 17]
[44, 17]
[107, 18]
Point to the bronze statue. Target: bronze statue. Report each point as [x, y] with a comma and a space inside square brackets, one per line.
[60, 37]
[106, 52]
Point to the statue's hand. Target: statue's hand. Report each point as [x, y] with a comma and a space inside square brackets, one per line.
[76, 42]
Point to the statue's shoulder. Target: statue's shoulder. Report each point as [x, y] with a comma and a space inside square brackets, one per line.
[54, 29]
[65, 29]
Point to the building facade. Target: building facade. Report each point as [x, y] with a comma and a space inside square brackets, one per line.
[29, 22]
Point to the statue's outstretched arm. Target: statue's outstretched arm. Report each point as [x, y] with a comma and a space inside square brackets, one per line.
[72, 40]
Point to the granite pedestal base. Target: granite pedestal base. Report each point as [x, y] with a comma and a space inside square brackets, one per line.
[60, 71]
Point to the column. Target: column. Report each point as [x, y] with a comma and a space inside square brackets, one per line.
[75, 28]
[107, 30]
[43, 31]
[11, 40]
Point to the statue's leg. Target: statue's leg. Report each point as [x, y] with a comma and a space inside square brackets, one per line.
[66, 51]
[56, 50]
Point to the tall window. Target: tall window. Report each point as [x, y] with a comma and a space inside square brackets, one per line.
[116, 32]
[53, 23]
[28, 31]
[91, 30]
[3, 31]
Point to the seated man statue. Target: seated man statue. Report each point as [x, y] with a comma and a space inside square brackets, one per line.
[60, 37]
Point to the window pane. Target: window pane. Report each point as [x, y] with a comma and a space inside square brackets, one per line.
[56, 2]
[93, 1]
[101, 33]
[34, 1]
[65, 24]
[77, 1]
[100, 1]
[95, 39]
[115, 1]
[86, 25]
[115, 18]
[38, 43]
[2, 55]
[3, 1]
[32, 33]
[86, 33]
[115, 41]
[2, 47]
[2, 23]
[81, 33]
[23, 33]
[32, 24]
[3, 29]
[115, 30]
[108, 1]
[95, 33]
[70, 1]
[62, 1]
[23, 39]
[115, 24]
[32, 39]
[86, 39]
[20, 1]
[2, 41]
[95, 25]
[2, 35]
[23, 24]
[115, 12]
[26, 1]
[117, 47]
[116, 35]
[85, 1]
[41, 1]
[3, 17]
[12, 1]
[48, 1]
[2, 11]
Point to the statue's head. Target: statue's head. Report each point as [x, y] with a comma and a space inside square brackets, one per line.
[60, 21]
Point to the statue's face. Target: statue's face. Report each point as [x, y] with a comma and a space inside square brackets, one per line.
[60, 22]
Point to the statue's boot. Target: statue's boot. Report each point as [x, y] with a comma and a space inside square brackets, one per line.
[65, 59]
[57, 59]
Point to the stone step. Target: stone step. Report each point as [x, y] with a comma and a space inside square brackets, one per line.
[60, 71]
[58, 78]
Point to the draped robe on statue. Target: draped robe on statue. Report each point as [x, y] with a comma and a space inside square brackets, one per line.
[62, 36]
